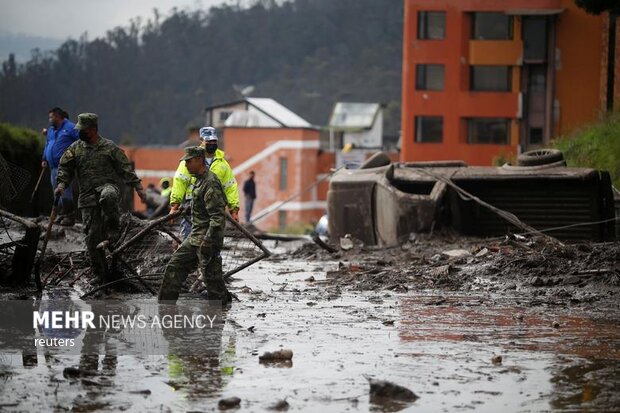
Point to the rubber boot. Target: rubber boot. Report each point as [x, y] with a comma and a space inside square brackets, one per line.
[112, 226]
[68, 214]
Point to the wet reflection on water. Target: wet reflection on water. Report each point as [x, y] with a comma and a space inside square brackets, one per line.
[440, 347]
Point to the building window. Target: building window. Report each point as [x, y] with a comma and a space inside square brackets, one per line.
[491, 78]
[431, 25]
[429, 77]
[535, 38]
[536, 136]
[491, 26]
[283, 174]
[488, 130]
[224, 115]
[428, 129]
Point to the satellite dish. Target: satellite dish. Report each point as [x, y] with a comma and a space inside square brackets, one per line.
[243, 90]
[247, 90]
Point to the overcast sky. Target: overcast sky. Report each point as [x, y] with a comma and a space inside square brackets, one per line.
[61, 19]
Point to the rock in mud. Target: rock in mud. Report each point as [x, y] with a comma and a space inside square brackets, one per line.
[229, 403]
[497, 360]
[346, 244]
[280, 355]
[482, 253]
[440, 271]
[71, 372]
[456, 253]
[382, 389]
[280, 406]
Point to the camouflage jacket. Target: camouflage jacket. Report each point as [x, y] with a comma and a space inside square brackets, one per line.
[208, 204]
[95, 165]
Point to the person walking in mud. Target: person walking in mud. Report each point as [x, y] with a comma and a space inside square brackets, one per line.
[60, 134]
[202, 247]
[98, 165]
[249, 190]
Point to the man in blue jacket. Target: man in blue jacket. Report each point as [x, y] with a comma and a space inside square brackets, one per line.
[60, 135]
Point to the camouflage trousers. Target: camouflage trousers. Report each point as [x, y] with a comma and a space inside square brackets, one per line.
[98, 221]
[185, 260]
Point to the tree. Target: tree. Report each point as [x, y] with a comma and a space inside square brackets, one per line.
[9, 68]
[149, 79]
[599, 6]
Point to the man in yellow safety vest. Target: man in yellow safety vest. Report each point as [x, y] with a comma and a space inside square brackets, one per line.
[184, 182]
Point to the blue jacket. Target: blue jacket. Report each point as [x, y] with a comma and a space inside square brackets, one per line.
[58, 140]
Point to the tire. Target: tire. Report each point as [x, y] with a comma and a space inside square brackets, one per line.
[376, 160]
[540, 157]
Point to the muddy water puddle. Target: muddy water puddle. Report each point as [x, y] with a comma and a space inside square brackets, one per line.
[439, 346]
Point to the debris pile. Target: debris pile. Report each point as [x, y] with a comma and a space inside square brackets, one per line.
[465, 264]
[136, 258]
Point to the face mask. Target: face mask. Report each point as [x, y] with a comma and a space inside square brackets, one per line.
[83, 135]
[211, 148]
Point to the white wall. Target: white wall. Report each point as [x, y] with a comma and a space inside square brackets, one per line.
[372, 138]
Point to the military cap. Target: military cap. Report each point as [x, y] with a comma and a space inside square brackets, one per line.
[86, 120]
[192, 152]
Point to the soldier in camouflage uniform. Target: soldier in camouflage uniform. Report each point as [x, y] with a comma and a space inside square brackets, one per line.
[202, 247]
[99, 165]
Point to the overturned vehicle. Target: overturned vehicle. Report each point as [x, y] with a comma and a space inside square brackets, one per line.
[382, 203]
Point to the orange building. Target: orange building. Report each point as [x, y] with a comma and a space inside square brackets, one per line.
[285, 162]
[486, 79]
[261, 135]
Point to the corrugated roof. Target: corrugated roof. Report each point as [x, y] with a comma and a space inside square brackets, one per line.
[278, 112]
[351, 115]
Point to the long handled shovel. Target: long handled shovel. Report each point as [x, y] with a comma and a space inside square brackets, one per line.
[36, 188]
[37, 270]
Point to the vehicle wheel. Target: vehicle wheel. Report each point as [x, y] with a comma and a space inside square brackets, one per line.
[376, 160]
[540, 157]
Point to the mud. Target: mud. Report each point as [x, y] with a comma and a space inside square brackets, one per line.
[551, 272]
[514, 325]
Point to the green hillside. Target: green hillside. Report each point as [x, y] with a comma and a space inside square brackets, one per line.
[150, 80]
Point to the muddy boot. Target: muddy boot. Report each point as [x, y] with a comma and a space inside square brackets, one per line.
[113, 226]
[100, 277]
[228, 299]
[68, 220]
[68, 214]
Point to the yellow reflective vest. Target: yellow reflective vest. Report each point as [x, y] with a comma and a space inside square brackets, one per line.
[184, 182]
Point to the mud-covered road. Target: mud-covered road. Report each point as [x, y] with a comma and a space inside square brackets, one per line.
[508, 325]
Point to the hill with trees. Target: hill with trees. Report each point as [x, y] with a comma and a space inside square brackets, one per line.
[151, 80]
